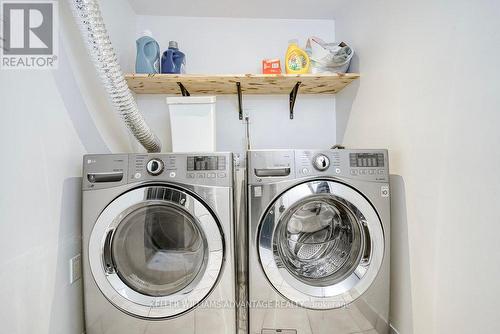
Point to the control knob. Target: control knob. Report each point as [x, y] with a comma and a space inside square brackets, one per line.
[321, 162]
[155, 166]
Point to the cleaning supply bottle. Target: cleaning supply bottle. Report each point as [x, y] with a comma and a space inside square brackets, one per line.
[296, 60]
[148, 54]
[173, 60]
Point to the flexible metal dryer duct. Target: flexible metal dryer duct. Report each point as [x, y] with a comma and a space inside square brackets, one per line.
[93, 29]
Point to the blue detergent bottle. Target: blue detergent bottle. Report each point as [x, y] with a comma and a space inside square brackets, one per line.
[173, 60]
[148, 54]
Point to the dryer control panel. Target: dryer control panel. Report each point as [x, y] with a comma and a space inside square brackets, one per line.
[211, 169]
[108, 170]
[274, 166]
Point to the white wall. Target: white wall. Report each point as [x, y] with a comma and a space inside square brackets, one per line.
[49, 120]
[225, 45]
[429, 93]
[317, 9]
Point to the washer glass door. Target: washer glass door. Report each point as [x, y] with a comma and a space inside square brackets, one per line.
[320, 241]
[321, 244]
[156, 252]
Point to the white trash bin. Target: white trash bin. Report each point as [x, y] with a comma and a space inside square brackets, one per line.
[192, 123]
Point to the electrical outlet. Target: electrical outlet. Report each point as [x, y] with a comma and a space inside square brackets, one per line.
[75, 269]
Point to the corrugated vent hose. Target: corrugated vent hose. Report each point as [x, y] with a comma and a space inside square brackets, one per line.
[92, 27]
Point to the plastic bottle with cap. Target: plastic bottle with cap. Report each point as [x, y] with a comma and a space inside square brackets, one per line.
[296, 60]
[148, 54]
[173, 60]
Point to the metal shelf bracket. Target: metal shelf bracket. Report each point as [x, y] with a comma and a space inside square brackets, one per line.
[293, 97]
[240, 101]
[184, 91]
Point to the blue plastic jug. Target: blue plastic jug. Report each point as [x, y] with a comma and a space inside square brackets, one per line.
[173, 60]
[148, 55]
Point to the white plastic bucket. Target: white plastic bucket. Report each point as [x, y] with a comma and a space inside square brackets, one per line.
[192, 123]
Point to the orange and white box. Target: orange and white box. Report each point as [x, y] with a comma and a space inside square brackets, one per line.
[271, 66]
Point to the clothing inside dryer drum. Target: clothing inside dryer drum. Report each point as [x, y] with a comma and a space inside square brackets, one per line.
[320, 241]
[159, 250]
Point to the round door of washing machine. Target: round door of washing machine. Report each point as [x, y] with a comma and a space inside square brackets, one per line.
[156, 252]
[321, 244]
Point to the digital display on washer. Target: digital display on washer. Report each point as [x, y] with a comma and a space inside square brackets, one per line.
[366, 159]
[206, 162]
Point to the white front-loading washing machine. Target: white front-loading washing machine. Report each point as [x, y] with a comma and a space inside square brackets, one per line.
[319, 224]
[158, 253]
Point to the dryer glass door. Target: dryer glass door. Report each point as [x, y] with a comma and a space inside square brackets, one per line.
[321, 244]
[159, 250]
[156, 252]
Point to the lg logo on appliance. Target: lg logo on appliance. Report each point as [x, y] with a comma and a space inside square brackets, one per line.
[29, 35]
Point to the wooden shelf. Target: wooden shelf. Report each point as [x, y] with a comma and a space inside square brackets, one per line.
[250, 83]
[187, 84]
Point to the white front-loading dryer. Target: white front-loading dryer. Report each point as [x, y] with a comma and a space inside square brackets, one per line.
[318, 241]
[158, 253]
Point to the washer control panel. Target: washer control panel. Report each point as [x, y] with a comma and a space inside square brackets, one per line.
[360, 164]
[269, 166]
[274, 166]
[367, 163]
